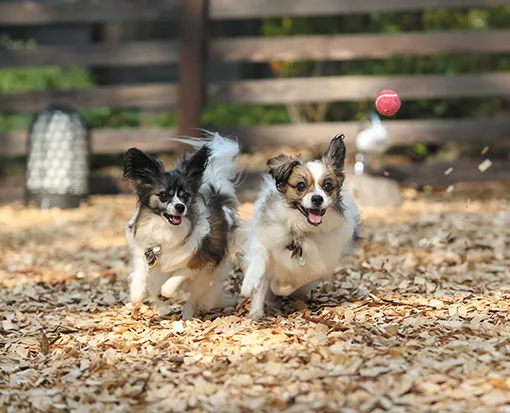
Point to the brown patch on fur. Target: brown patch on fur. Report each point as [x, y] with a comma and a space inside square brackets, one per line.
[336, 180]
[214, 246]
[280, 168]
[299, 174]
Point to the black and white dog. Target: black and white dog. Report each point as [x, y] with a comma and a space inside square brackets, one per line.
[180, 234]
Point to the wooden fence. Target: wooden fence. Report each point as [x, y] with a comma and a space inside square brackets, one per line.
[193, 49]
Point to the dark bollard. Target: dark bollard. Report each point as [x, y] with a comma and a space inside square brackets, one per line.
[58, 159]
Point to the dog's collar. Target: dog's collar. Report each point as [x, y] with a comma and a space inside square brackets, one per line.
[151, 255]
[297, 251]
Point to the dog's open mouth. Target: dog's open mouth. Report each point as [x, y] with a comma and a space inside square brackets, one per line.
[173, 219]
[313, 215]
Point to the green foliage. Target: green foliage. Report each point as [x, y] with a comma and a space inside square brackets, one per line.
[39, 78]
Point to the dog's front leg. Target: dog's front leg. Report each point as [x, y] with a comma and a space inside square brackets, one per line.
[138, 281]
[258, 300]
[257, 259]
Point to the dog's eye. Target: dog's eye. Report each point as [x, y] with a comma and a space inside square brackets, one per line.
[327, 187]
[163, 196]
[185, 196]
[301, 186]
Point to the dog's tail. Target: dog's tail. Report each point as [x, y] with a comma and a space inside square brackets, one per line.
[220, 171]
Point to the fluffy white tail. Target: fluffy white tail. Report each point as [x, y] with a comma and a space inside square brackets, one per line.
[220, 171]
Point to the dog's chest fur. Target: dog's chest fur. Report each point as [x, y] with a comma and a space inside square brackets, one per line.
[177, 248]
[322, 247]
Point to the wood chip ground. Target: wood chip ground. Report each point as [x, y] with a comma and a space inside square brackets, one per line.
[416, 321]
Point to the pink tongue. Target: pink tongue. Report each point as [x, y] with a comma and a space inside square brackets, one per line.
[176, 220]
[314, 217]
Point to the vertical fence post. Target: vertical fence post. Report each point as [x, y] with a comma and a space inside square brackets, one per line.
[192, 58]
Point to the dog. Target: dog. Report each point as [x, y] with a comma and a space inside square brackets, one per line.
[304, 221]
[180, 234]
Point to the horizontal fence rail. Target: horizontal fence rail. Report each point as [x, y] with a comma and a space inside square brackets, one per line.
[256, 49]
[401, 133]
[87, 11]
[122, 54]
[90, 11]
[434, 173]
[271, 91]
[153, 96]
[248, 9]
[359, 88]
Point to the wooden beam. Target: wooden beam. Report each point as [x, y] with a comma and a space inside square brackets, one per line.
[120, 140]
[91, 11]
[402, 132]
[434, 173]
[259, 49]
[146, 96]
[104, 141]
[103, 54]
[192, 58]
[86, 11]
[359, 88]
[251, 9]
[272, 91]
[358, 46]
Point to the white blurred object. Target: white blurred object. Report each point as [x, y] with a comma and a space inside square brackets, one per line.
[374, 139]
[370, 141]
[369, 189]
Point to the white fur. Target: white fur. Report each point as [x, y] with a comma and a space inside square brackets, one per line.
[270, 267]
[317, 169]
[171, 272]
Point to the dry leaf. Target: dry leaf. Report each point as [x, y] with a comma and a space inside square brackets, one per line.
[44, 344]
[486, 164]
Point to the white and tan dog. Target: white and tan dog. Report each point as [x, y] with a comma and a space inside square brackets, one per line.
[304, 221]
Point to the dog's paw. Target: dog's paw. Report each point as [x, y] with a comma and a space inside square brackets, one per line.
[170, 287]
[249, 287]
[164, 310]
[188, 311]
[282, 290]
[256, 313]
[135, 312]
[136, 301]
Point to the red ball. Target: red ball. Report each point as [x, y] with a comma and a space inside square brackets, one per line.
[387, 102]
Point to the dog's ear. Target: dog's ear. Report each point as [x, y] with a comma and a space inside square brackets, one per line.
[194, 167]
[140, 167]
[280, 168]
[335, 155]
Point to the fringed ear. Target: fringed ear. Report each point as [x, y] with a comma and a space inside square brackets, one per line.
[280, 168]
[335, 155]
[194, 167]
[140, 167]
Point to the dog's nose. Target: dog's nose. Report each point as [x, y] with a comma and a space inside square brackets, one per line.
[317, 200]
[179, 208]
